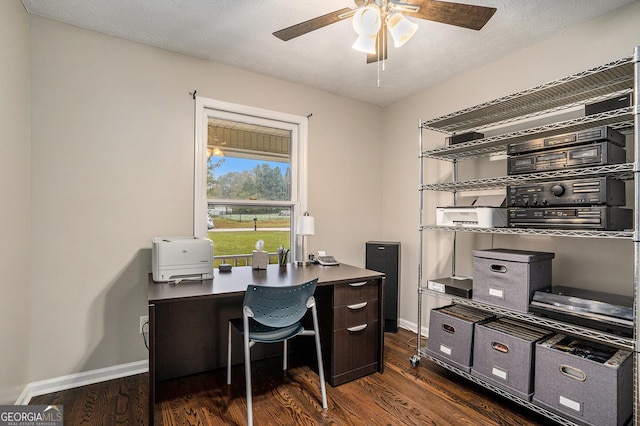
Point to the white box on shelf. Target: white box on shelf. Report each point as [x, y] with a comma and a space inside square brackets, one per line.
[588, 382]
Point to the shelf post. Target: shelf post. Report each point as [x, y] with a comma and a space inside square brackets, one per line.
[420, 236]
[636, 239]
[453, 234]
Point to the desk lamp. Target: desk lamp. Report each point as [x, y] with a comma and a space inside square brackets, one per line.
[305, 227]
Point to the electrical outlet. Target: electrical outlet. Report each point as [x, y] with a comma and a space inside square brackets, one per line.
[144, 324]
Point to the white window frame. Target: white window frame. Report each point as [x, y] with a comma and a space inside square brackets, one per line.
[298, 125]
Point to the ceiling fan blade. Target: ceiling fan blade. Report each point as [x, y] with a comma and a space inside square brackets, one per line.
[458, 14]
[305, 27]
[381, 46]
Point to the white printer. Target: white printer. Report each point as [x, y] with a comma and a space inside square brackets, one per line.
[177, 258]
[484, 211]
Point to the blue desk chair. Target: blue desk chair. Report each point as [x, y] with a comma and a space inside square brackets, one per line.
[274, 314]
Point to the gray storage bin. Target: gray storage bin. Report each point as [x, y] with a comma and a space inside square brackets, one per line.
[589, 383]
[503, 355]
[451, 334]
[508, 278]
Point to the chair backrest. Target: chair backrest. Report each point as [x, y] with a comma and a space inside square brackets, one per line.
[279, 306]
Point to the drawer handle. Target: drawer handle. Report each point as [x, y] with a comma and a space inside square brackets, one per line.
[357, 328]
[357, 284]
[500, 347]
[573, 373]
[357, 306]
[498, 268]
[448, 328]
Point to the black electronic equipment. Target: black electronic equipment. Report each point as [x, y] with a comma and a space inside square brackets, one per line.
[622, 101]
[456, 286]
[596, 134]
[596, 154]
[592, 218]
[463, 137]
[576, 192]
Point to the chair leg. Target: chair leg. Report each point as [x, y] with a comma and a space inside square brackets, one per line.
[316, 330]
[247, 370]
[229, 356]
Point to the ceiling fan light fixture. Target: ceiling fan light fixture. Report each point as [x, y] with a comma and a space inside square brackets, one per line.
[365, 44]
[401, 29]
[367, 20]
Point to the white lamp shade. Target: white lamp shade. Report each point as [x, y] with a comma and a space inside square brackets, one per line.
[401, 29]
[367, 21]
[306, 225]
[365, 44]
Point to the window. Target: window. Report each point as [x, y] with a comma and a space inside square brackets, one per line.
[250, 178]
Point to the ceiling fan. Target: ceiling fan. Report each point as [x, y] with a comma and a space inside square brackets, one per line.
[373, 18]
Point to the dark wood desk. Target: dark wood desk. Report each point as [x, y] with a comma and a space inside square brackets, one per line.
[188, 321]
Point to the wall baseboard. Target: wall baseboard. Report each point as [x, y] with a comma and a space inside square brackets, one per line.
[412, 326]
[56, 384]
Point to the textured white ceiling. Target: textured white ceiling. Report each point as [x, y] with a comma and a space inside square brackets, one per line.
[239, 33]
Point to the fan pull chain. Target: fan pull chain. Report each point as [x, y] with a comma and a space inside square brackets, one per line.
[382, 41]
[385, 46]
[378, 49]
[378, 65]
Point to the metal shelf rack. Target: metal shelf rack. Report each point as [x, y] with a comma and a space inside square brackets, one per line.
[588, 333]
[619, 119]
[620, 171]
[592, 85]
[625, 235]
[553, 98]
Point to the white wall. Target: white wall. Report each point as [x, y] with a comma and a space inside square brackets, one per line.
[112, 137]
[14, 196]
[578, 262]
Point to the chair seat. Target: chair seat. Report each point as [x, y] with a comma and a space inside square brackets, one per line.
[262, 333]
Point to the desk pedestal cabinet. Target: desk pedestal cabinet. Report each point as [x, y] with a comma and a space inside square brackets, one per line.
[350, 329]
[188, 321]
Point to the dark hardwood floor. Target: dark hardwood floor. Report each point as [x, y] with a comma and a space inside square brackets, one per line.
[403, 395]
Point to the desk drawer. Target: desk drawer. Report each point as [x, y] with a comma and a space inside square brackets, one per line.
[355, 348]
[355, 292]
[355, 314]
